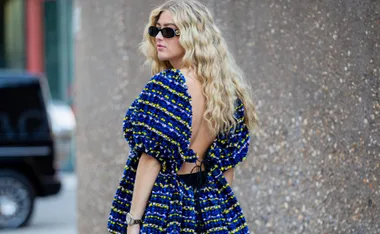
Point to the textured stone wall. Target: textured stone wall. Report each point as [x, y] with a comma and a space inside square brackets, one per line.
[314, 67]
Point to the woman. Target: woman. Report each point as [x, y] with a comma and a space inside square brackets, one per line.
[187, 130]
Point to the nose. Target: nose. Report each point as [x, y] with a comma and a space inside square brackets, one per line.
[159, 36]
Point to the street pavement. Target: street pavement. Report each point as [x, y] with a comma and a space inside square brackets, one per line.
[54, 215]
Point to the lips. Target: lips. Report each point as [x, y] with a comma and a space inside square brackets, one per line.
[160, 46]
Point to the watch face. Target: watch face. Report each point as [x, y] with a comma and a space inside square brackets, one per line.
[129, 218]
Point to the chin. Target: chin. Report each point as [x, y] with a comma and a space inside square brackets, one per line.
[163, 57]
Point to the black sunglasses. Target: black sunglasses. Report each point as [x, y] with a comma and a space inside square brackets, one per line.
[166, 32]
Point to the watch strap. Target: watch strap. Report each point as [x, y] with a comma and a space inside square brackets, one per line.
[136, 221]
[132, 221]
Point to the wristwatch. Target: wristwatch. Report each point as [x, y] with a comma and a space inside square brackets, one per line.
[131, 221]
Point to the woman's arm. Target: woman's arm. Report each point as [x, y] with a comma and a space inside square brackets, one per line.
[229, 174]
[146, 175]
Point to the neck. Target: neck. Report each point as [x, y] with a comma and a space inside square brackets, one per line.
[177, 64]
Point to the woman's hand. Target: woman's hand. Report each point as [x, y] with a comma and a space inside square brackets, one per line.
[133, 229]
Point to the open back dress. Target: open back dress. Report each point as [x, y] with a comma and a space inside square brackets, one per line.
[158, 123]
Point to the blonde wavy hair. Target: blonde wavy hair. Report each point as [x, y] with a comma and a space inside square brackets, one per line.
[207, 54]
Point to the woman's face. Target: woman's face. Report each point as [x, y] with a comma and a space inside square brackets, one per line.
[168, 48]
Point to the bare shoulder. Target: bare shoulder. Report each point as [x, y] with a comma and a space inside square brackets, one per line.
[193, 84]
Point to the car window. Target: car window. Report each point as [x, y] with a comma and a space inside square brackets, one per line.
[22, 113]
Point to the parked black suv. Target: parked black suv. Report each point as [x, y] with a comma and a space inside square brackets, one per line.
[27, 159]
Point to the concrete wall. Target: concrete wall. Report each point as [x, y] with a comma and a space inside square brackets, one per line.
[314, 69]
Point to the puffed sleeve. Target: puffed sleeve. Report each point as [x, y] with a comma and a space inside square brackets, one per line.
[237, 141]
[142, 128]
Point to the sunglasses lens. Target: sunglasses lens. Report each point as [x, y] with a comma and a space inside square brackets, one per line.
[168, 32]
[153, 31]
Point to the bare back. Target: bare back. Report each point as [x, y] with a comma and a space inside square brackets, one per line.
[202, 136]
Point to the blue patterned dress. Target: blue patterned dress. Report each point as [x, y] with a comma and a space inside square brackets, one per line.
[159, 123]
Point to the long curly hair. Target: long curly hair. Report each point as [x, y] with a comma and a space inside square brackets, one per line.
[206, 52]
